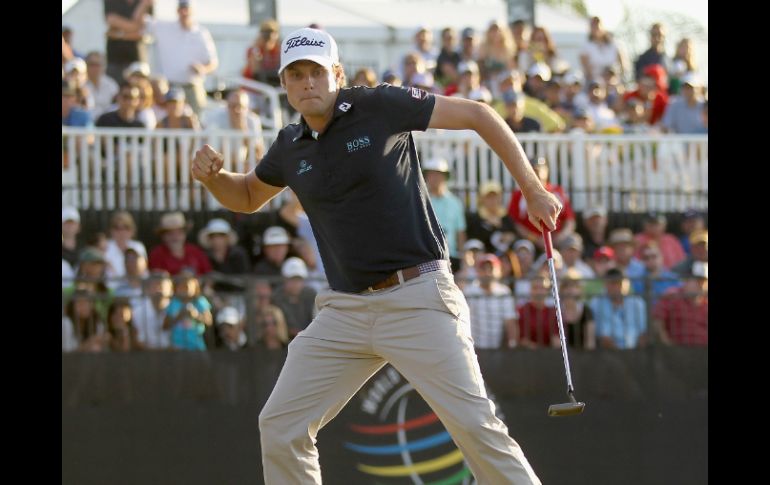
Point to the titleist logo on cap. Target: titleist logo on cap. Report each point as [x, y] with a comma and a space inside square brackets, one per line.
[300, 41]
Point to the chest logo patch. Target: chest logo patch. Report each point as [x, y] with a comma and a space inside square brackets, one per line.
[304, 167]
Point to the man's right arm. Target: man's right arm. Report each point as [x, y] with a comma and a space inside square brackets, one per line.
[236, 191]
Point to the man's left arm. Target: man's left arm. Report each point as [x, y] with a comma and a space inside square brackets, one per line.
[462, 114]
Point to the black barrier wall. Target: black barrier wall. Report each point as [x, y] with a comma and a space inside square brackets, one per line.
[178, 417]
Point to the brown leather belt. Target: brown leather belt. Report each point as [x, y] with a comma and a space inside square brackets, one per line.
[407, 274]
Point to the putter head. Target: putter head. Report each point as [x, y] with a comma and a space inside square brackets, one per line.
[566, 409]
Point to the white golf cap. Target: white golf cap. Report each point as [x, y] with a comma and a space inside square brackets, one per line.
[69, 213]
[228, 315]
[309, 44]
[436, 164]
[473, 244]
[294, 267]
[275, 235]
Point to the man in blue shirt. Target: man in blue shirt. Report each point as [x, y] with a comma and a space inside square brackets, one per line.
[352, 162]
[621, 319]
[71, 114]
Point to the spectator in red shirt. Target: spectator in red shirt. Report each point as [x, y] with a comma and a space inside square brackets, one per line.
[655, 230]
[175, 254]
[264, 56]
[537, 321]
[652, 90]
[517, 209]
[682, 314]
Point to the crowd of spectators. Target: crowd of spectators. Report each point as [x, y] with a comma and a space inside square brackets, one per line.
[254, 283]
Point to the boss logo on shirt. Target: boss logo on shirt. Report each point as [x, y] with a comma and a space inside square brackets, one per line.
[358, 143]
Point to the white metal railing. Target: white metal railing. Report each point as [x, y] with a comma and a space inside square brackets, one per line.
[111, 169]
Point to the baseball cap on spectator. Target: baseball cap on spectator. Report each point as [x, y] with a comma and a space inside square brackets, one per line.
[524, 243]
[488, 258]
[699, 236]
[700, 269]
[294, 267]
[468, 32]
[604, 252]
[512, 97]
[184, 3]
[228, 316]
[311, 45]
[594, 210]
[69, 213]
[217, 226]
[171, 221]
[573, 241]
[436, 164]
[614, 274]
[473, 245]
[621, 235]
[174, 94]
[540, 69]
[480, 94]
[92, 255]
[655, 217]
[691, 79]
[137, 67]
[468, 66]
[490, 186]
[275, 235]
[573, 77]
[75, 64]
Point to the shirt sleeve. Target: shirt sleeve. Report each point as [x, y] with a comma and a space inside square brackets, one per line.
[173, 307]
[268, 169]
[208, 44]
[406, 109]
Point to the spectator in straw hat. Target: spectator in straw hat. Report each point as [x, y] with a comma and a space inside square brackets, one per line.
[491, 224]
[571, 248]
[175, 253]
[448, 207]
[622, 243]
[226, 257]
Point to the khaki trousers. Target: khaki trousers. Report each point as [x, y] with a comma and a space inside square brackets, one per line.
[422, 328]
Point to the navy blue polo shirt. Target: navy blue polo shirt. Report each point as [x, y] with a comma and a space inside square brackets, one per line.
[361, 185]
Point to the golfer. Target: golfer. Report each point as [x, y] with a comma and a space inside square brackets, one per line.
[353, 164]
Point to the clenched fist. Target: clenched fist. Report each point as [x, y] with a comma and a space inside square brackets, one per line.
[206, 164]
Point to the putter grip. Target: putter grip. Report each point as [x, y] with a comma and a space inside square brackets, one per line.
[547, 241]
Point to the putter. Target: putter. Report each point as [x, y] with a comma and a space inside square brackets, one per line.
[572, 407]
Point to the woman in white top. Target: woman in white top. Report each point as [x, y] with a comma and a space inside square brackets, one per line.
[600, 53]
[122, 232]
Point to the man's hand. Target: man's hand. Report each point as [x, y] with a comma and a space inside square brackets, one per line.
[206, 164]
[543, 206]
